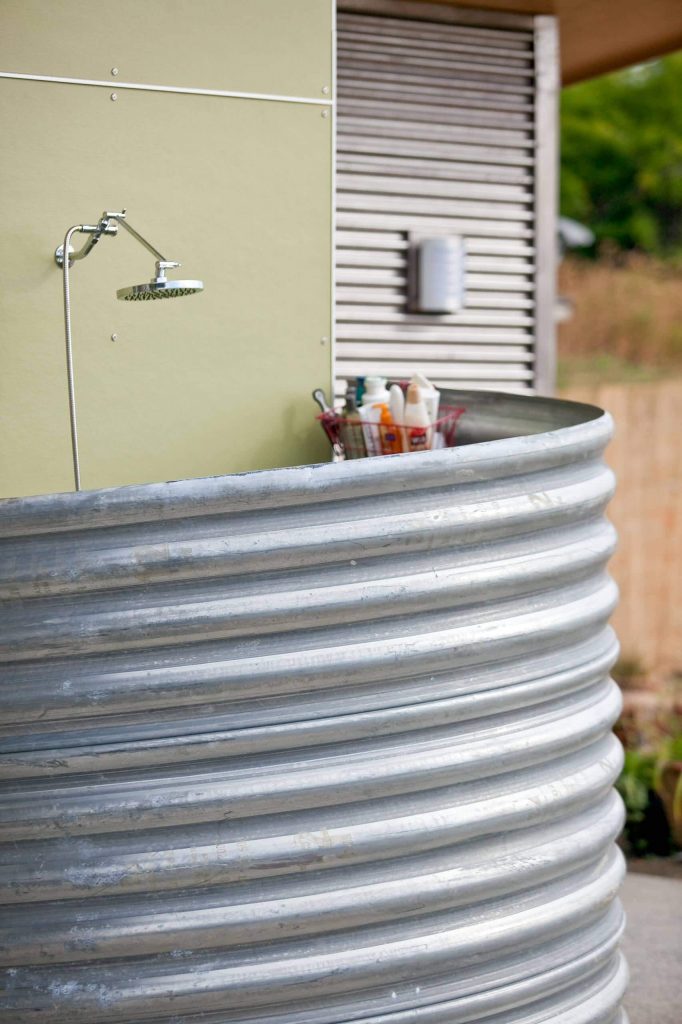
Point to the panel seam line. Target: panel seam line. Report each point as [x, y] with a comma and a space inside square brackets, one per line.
[185, 90]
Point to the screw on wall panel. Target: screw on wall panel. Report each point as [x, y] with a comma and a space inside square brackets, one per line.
[325, 90]
[114, 337]
[114, 96]
[325, 112]
[323, 341]
[114, 72]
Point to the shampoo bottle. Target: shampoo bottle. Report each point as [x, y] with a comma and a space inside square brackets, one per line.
[375, 391]
[430, 395]
[397, 403]
[397, 407]
[418, 428]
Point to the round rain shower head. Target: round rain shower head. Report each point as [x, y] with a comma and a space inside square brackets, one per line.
[159, 289]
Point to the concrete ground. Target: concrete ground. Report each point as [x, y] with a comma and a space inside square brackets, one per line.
[653, 947]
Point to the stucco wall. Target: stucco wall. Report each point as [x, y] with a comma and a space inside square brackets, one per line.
[237, 189]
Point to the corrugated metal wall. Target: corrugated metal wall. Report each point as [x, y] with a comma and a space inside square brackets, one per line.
[436, 134]
[314, 745]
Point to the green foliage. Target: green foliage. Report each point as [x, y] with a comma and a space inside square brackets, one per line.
[604, 368]
[627, 669]
[671, 749]
[647, 831]
[621, 166]
[651, 787]
[635, 782]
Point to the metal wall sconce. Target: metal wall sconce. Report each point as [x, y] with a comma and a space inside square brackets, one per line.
[436, 274]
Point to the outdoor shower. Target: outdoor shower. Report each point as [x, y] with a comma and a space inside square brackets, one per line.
[158, 288]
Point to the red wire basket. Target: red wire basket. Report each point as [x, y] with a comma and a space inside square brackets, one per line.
[352, 438]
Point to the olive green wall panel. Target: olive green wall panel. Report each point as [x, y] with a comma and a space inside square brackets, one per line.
[240, 192]
[265, 46]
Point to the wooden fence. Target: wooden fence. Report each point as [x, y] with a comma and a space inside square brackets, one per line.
[646, 455]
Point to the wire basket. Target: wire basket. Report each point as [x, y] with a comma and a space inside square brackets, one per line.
[352, 438]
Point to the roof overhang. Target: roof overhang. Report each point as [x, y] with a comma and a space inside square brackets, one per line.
[601, 35]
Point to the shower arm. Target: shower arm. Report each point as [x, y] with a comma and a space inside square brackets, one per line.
[106, 227]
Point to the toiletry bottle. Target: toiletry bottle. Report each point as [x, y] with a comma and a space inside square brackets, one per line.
[430, 395]
[391, 443]
[351, 433]
[397, 407]
[375, 391]
[371, 415]
[359, 389]
[397, 403]
[418, 428]
[375, 394]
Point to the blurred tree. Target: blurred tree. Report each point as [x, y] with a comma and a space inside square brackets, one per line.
[621, 160]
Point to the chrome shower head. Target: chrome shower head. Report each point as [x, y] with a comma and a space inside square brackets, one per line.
[159, 287]
[156, 290]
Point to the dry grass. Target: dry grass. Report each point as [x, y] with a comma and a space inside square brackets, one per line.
[627, 320]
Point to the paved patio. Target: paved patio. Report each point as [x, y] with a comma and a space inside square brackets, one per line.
[653, 947]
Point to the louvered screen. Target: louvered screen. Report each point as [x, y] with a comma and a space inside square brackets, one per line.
[435, 135]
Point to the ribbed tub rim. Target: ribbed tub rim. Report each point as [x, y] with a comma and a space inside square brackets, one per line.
[588, 427]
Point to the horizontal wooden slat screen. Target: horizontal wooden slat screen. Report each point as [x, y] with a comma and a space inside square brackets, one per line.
[435, 134]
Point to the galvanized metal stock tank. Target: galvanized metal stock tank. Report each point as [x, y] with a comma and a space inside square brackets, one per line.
[321, 744]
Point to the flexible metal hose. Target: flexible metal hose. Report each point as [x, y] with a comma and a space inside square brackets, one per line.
[69, 356]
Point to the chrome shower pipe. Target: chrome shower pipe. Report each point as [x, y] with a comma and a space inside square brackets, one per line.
[108, 225]
[95, 233]
[120, 218]
[162, 263]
